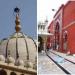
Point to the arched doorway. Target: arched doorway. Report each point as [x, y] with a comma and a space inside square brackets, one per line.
[40, 45]
[65, 41]
[13, 73]
[3, 72]
[57, 35]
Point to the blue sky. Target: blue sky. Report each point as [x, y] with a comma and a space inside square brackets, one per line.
[28, 17]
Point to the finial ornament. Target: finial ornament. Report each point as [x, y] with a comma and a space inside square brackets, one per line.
[17, 21]
[16, 10]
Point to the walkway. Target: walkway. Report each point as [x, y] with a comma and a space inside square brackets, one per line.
[69, 57]
[47, 66]
[66, 62]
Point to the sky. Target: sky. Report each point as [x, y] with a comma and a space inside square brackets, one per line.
[44, 9]
[28, 17]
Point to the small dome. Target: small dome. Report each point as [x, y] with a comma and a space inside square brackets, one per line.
[10, 60]
[28, 64]
[19, 62]
[2, 58]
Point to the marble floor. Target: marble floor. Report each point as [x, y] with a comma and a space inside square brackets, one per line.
[47, 66]
[70, 67]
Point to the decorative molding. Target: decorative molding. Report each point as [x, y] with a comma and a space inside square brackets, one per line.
[26, 46]
[68, 25]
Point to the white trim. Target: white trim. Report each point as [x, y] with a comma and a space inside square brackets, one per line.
[59, 20]
[68, 25]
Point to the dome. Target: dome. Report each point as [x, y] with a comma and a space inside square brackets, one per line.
[10, 60]
[19, 62]
[28, 64]
[19, 44]
[2, 58]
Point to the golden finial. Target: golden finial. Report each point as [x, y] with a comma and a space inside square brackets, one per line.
[17, 21]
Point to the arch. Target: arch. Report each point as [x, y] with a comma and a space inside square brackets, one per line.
[57, 36]
[3, 72]
[22, 74]
[13, 73]
[57, 27]
[40, 46]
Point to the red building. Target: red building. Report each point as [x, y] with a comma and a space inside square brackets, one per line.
[50, 38]
[63, 28]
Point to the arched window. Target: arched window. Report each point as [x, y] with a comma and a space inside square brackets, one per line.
[3, 72]
[13, 73]
[57, 36]
[57, 27]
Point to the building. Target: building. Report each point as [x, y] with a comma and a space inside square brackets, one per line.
[18, 54]
[63, 26]
[41, 30]
[50, 38]
[42, 36]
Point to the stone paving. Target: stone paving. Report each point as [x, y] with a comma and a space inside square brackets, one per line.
[69, 57]
[65, 64]
[47, 67]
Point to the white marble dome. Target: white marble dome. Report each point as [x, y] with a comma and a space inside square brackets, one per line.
[18, 45]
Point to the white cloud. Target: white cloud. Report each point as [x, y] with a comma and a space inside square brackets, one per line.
[44, 8]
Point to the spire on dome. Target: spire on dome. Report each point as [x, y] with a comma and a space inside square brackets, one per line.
[46, 21]
[17, 21]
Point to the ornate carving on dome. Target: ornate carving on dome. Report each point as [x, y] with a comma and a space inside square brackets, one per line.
[10, 59]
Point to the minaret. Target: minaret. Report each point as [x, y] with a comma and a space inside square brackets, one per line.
[46, 21]
[17, 21]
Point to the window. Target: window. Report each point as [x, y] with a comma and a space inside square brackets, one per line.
[3, 72]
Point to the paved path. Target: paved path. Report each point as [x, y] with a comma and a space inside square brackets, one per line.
[70, 67]
[47, 66]
[69, 57]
